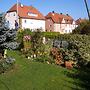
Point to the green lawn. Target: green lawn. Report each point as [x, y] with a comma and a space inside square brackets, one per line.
[38, 76]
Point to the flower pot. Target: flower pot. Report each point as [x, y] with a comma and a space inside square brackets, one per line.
[68, 64]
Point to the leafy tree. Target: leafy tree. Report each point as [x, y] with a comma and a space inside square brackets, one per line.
[83, 28]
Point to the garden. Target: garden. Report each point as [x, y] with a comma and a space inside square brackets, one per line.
[41, 76]
[68, 50]
[44, 60]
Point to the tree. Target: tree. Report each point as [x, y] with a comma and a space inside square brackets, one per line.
[7, 36]
[83, 28]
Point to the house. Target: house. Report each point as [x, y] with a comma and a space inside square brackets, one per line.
[27, 17]
[56, 22]
[80, 20]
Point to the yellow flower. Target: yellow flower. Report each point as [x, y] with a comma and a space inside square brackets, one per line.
[40, 53]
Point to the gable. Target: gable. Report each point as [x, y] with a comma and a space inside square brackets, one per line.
[27, 12]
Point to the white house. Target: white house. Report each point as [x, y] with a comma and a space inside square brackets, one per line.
[28, 17]
[59, 23]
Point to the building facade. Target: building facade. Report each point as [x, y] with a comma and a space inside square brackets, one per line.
[59, 23]
[28, 17]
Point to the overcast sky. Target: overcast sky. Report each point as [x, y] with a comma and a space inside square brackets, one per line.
[75, 8]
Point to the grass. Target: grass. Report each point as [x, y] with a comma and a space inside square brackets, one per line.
[38, 76]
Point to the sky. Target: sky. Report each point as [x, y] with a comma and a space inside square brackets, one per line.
[75, 8]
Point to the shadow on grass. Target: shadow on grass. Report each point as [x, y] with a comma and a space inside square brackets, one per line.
[81, 78]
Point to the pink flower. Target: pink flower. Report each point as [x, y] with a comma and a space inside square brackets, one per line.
[27, 37]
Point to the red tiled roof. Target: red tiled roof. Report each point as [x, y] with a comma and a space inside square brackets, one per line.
[57, 18]
[24, 10]
[78, 21]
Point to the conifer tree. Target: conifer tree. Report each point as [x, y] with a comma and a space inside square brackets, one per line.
[7, 36]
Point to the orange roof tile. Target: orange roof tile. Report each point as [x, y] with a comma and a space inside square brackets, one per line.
[23, 12]
[57, 18]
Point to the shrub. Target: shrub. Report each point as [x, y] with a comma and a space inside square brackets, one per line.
[78, 48]
[6, 64]
[83, 28]
[20, 35]
[44, 59]
[50, 34]
[10, 45]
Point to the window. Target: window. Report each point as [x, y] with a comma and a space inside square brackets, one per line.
[14, 14]
[65, 31]
[50, 25]
[32, 14]
[25, 21]
[8, 22]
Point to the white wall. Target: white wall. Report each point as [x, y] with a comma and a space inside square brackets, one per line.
[67, 28]
[33, 24]
[56, 27]
[30, 23]
[64, 28]
[10, 19]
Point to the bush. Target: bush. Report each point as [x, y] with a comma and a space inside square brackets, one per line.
[50, 34]
[78, 48]
[21, 33]
[6, 64]
[10, 45]
[83, 28]
[44, 59]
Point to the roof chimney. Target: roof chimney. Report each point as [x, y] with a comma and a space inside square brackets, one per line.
[53, 12]
[67, 14]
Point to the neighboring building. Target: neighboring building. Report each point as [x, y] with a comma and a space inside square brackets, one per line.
[80, 20]
[59, 23]
[28, 17]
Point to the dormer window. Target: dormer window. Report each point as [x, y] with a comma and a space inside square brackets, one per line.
[22, 5]
[14, 14]
[32, 14]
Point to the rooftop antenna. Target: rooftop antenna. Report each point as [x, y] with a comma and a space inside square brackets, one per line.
[17, 9]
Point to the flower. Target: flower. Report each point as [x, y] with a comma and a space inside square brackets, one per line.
[27, 37]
